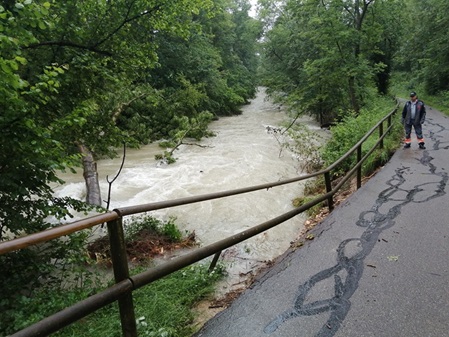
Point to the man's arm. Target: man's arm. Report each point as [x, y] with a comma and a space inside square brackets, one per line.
[423, 113]
[404, 113]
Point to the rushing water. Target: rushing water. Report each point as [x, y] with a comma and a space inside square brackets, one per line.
[243, 153]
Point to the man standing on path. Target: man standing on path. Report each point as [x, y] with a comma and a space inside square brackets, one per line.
[414, 114]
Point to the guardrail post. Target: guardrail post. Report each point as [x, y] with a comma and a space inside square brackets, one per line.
[359, 169]
[381, 133]
[330, 200]
[214, 261]
[121, 272]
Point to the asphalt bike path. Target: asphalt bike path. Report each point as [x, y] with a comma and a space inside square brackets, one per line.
[378, 265]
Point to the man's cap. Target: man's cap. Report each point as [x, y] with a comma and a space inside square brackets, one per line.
[412, 94]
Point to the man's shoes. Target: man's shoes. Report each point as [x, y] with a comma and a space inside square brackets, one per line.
[407, 145]
[421, 146]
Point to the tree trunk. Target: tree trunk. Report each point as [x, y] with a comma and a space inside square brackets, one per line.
[353, 96]
[90, 173]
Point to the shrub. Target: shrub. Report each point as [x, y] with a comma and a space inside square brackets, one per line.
[352, 128]
[138, 224]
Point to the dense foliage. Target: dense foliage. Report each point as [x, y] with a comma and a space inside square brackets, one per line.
[81, 78]
[323, 56]
[423, 52]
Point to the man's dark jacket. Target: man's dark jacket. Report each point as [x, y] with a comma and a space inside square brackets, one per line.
[420, 115]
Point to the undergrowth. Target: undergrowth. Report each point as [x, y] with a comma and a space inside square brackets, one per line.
[354, 127]
[163, 308]
[344, 136]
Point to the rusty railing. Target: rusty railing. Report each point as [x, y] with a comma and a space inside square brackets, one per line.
[125, 284]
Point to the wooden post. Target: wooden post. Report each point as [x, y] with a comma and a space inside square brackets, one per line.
[330, 200]
[359, 169]
[381, 133]
[121, 272]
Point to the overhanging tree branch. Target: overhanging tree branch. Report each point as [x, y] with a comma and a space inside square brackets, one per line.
[68, 44]
[128, 20]
[94, 47]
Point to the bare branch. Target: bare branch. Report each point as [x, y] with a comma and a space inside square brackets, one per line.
[196, 144]
[127, 20]
[110, 182]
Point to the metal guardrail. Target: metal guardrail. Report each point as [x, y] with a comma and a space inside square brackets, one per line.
[126, 284]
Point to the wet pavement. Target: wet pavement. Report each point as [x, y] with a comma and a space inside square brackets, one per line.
[378, 266]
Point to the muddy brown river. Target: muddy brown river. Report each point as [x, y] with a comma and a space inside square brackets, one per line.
[243, 153]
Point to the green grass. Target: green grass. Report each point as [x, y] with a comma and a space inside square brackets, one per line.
[163, 308]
